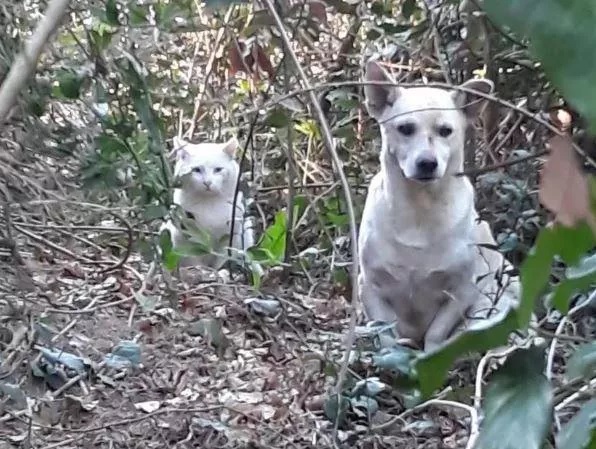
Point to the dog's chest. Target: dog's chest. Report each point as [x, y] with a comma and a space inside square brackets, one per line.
[437, 265]
[415, 278]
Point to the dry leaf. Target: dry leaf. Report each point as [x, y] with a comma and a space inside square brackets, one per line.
[263, 60]
[148, 406]
[563, 186]
[318, 10]
[561, 119]
[235, 59]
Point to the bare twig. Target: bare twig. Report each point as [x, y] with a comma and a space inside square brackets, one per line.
[26, 62]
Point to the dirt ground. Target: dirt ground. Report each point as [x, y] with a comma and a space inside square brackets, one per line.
[218, 366]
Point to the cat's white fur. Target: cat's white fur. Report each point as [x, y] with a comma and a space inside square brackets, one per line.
[420, 263]
[209, 173]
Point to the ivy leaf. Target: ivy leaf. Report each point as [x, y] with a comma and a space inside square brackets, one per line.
[127, 353]
[395, 359]
[583, 361]
[580, 432]
[519, 399]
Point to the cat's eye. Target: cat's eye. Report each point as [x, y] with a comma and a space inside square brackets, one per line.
[445, 131]
[407, 129]
[197, 169]
[217, 169]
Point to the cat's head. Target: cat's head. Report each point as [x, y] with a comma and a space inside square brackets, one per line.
[211, 167]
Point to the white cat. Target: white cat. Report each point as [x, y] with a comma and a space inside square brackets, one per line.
[209, 174]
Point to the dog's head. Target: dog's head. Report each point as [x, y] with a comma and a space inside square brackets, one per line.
[208, 168]
[423, 128]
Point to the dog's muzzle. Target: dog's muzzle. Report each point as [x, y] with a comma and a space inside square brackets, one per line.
[426, 168]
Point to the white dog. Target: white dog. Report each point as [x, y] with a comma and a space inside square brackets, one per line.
[421, 265]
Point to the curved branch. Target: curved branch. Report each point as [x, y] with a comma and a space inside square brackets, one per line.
[26, 62]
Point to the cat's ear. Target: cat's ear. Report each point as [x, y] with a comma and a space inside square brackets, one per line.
[179, 142]
[231, 146]
[180, 149]
[378, 96]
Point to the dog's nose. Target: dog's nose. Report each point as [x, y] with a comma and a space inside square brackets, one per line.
[426, 165]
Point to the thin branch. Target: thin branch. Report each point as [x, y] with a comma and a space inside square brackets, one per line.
[330, 147]
[26, 62]
[551, 352]
[489, 97]
[509, 163]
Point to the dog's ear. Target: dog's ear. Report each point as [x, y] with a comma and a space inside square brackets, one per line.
[378, 97]
[471, 104]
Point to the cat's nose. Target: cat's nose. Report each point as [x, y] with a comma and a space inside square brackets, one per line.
[207, 184]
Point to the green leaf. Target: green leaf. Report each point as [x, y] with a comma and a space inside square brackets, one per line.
[168, 257]
[171, 260]
[583, 361]
[218, 4]
[274, 238]
[138, 14]
[580, 432]
[336, 407]
[109, 145]
[397, 359]
[568, 243]
[101, 36]
[585, 267]
[408, 7]
[69, 84]
[432, 366]
[518, 404]
[561, 35]
[112, 13]
[154, 212]
[277, 118]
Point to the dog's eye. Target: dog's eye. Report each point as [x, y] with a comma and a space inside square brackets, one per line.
[445, 131]
[197, 169]
[217, 169]
[407, 129]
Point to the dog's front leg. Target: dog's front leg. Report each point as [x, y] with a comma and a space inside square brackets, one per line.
[446, 320]
[375, 307]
